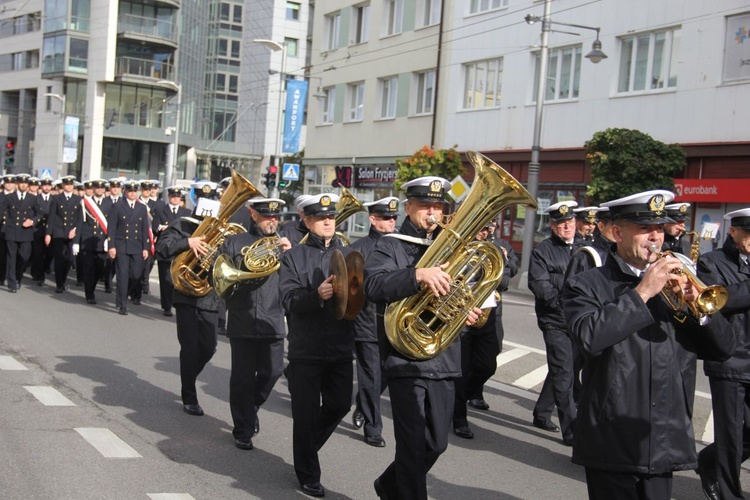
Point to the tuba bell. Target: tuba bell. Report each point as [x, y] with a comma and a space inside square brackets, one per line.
[422, 326]
[190, 273]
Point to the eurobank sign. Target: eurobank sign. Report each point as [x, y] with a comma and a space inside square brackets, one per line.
[713, 190]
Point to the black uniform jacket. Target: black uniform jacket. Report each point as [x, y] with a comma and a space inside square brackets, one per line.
[40, 228]
[365, 327]
[89, 233]
[315, 335]
[174, 241]
[582, 260]
[390, 275]
[510, 263]
[128, 228]
[547, 266]
[255, 306]
[725, 267]
[16, 212]
[638, 384]
[164, 216]
[676, 244]
[63, 215]
[293, 231]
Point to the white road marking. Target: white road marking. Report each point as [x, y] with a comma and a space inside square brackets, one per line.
[170, 496]
[530, 349]
[8, 363]
[708, 432]
[702, 394]
[531, 396]
[48, 396]
[532, 378]
[107, 443]
[508, 356]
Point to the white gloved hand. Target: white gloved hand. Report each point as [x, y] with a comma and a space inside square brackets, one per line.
[76, 248]
[106, 245]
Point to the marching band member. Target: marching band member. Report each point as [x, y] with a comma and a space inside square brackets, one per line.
[164, 215]
[295, 231]
[91, 237]
[41, 254]
[147, 188]
[674, 233]
[586, 222]
[64, 212]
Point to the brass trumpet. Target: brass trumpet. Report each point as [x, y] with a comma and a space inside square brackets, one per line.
[710, 298]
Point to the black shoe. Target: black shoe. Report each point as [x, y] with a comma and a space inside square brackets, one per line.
[314, 489]
[167, 312]
[18, 285]
[545, 425]
[123, 311]
[107, 289]
[242, 444]
[144, 290]
[40, 283]
[91, 301]
[463, 432]
[257, 424]
[377, 441]
[568, 440]
[59, 289]
[12, 289]
[221, 331]
[136, 302]
[479, 404]
[379, 489]
[710, 487]
[358, 418]
[65, 287]
[193, 409]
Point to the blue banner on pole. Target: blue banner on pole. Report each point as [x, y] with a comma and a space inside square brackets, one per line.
[296, 97]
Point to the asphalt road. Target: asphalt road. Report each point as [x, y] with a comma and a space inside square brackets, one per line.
[119, 431]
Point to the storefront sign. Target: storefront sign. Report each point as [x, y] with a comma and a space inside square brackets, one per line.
[374, 176]
[713, 190]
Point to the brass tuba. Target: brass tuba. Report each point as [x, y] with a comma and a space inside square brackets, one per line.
[190, 273]
[347, 206]
[422, 326]
[260, 259]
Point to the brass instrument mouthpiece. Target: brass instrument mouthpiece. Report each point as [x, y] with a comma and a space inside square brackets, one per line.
[432, 219]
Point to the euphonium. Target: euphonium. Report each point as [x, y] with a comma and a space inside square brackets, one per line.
[190, 273]
[347, 206]
[260, 259]
[710, 298]
[422, 326]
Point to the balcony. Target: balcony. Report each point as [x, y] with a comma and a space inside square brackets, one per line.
[147, 29]
[134, 70]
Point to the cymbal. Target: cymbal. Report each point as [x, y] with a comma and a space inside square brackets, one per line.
[355, 263]
[337, 268]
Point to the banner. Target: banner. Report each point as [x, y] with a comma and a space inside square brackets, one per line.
[737, 48]
[296, 97]
[70, 139]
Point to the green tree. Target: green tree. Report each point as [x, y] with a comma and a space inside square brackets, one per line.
[624, 162]
[444, 163]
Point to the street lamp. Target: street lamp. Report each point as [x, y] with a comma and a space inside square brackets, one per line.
[276, 46]
[174, 149]
[61, 134]
[595, 56]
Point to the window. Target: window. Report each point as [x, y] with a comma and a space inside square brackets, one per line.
[233, 84]
[479, 6]
[223, 46]
[425, 92]
[483, 84]
[292, 11]
[221, 82]
[388, 97]
[356, 101]
[563, 74]
[648, 61]
[394, 13]
[328, 105]
[333, 25]
[237, 14]
[292, 45]
[224, 12]
[430, 12]
[361, 24]
[236, 49]
[79, 55]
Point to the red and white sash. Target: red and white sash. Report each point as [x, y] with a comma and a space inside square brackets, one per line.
[151, 240]
[93, 210]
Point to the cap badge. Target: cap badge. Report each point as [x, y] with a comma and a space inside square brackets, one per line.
[325, 201]
[274, 205]
[592, 214]
[564, 209]
[206, 189]
[683, 209]
[656, 204]
[393, 205]
[436, 186]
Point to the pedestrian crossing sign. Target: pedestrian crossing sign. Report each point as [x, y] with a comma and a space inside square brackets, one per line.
[291, 172]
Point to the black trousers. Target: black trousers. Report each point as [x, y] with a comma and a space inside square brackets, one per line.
[93, 270]
[148, 266]
[370, 385]
[41, 258]
[166, 287]
[607, 485]
[558, 385]
[109, 272]
[256, 366]
[79, 267]
[479, 350]
[196, 332]
[19, 254]
[129, 270]
[723, 458]
[3, 258]
[422, 413]
[313, 422]
[63, 256]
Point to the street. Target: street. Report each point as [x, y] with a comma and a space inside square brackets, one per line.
[92, 411]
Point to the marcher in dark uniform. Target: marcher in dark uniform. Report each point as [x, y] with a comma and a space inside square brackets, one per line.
[320, 346]
[719, 463]
[128, 245]
[421, 392]
[9, 186]
[145, 197]
[196, 316]
[295, 231]
[674, 233]
[586, 222]
[91, 237]
[64, 212]
[370, 380]
[165, 215]
[594, 255]
[115, 194]
[634, 427]
[21, 211]
[256, 328]
[41, 254]
[86, 190]
[547, 266]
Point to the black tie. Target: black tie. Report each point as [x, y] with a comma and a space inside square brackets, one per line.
[99, 202]
[174, 210]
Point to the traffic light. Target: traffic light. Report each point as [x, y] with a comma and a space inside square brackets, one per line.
[10, 153]
[270, 177]
[283, 183]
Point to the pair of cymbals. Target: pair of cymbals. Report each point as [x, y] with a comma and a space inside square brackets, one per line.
[348, 283]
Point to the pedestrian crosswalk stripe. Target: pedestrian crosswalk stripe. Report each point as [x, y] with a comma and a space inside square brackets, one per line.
[525, 347]
[170, 496]
[8, 363]
[107, 443]
[532, 378]
[48, 396]
[508, 356]
[708, 432]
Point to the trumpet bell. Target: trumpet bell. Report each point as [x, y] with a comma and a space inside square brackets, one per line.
[712, 299]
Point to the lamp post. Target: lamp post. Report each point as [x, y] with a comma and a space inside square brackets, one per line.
[171, 165]
[60, 98]
[595, 56]
[276, 46]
